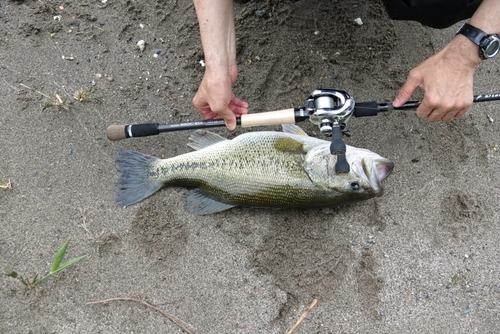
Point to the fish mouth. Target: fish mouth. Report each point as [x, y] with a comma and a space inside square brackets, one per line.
[374, 171]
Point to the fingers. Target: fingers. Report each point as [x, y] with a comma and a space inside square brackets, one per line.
[218, 107]
[238, 107]
[412, 83]
[444, 108]
[447, 95]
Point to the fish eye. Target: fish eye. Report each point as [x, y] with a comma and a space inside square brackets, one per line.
[354, 185]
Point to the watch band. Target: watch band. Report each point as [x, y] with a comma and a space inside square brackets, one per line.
[476, 35]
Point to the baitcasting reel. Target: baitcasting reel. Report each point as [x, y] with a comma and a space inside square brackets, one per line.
[330, 109]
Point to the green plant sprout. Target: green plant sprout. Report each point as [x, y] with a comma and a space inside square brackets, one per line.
[57, 102]
[54, 269]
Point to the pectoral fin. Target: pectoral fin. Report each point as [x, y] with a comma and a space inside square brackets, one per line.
[199, 204]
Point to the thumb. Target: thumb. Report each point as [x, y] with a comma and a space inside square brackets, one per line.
[230, 120]
[411, 84]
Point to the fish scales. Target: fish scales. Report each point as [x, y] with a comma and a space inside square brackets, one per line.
[260, 169]
[243, 165]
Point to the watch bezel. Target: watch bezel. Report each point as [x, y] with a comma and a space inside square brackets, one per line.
[486, 44]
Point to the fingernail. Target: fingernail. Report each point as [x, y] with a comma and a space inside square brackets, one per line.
[396, 102]
[231, 126]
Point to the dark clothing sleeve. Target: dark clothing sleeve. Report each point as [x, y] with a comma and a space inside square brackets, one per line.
[432, 13]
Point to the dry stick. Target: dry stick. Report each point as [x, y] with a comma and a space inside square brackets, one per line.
[23, 85]
[303, 316]
[165, 314]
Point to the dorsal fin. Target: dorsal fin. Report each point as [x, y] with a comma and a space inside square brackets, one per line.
[201, 139]
[293, 129]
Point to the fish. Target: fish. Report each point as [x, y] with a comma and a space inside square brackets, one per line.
[263, 169]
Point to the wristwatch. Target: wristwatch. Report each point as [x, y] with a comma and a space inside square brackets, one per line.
[489, 45]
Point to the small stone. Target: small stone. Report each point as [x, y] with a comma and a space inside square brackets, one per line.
[358, 21]
[141, 45]
[468, 309]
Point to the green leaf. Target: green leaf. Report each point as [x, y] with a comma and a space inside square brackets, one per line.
[9, 272]
[69, 263]
[59, 257]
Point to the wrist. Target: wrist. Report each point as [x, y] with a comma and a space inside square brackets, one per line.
[465, 51]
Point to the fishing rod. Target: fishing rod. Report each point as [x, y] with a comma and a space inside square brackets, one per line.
[330, 109]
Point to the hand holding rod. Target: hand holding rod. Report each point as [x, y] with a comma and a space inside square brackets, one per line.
[363, 109]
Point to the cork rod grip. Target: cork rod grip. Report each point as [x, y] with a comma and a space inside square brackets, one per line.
[285, 116]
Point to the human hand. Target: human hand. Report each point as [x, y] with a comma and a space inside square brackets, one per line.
[447, 81]
[215, 99]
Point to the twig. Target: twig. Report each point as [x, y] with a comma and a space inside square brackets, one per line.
[303, 316]
[85, 214]
[175, 320]
[48, 97]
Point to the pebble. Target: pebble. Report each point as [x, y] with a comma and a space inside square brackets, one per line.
[468, 309]
[260, 12]
[141, 45]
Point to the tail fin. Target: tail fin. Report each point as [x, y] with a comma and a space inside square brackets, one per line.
[134, 184]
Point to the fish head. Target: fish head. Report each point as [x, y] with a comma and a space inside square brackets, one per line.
[364, 179]
[368, 170]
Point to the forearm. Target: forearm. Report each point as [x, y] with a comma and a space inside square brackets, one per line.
[487, 17]
[216, 20]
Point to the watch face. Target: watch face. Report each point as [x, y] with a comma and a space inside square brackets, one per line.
[492, 47]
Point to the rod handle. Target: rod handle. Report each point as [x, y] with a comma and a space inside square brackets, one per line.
[118, 132]
[285, 116]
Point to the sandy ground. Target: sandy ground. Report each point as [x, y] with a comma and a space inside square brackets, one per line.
[424, 258]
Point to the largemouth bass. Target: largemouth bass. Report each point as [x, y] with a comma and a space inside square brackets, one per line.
[259, 169]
